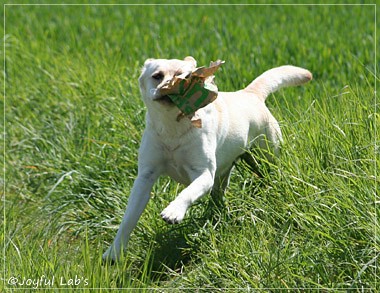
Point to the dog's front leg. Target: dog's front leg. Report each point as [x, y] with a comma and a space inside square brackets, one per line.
[176, 210]
[137, 202]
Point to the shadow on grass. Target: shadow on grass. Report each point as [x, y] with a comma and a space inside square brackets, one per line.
[179, 245]
[172, 249]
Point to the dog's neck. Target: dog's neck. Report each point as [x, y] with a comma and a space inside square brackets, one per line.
[163, 120]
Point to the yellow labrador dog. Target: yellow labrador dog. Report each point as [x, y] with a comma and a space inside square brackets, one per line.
[200, 158]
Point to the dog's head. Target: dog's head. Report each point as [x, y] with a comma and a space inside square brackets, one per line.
[156, 72]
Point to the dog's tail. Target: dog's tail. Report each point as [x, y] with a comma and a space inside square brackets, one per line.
[276, 78]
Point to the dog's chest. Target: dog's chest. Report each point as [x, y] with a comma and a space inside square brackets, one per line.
[177, 161]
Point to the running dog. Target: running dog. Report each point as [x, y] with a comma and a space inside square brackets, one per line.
[199, 157]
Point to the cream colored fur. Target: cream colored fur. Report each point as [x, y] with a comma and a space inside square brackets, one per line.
[200, 158]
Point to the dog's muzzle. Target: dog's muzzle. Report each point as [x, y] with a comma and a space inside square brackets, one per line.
[164, 100]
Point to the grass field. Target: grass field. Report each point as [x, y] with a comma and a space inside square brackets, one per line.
[74, 119]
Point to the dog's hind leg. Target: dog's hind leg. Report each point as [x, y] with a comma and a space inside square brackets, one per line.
[252, 163]
[220, 184]
[264, 149]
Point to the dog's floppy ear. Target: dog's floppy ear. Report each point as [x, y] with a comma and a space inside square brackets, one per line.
[192, 60]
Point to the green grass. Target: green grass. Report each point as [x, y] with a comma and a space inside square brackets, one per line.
[73, 122]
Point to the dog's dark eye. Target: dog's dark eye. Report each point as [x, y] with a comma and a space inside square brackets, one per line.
[158, 75]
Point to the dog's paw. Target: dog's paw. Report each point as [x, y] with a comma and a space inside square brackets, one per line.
[110, 256]
[174, 213]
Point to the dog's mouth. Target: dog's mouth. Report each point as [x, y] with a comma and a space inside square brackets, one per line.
[164, 100]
